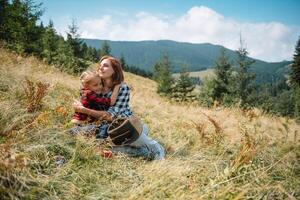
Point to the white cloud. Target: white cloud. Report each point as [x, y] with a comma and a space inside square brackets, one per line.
[96, 28]
[271, 41]
[146, 27]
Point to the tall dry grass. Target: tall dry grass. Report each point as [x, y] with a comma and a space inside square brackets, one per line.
[34, 92]
[219, 153]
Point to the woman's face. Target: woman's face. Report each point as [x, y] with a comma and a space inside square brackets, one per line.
[105, 69]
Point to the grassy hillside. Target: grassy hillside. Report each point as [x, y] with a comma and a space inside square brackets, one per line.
[215, 153]
[197, 57]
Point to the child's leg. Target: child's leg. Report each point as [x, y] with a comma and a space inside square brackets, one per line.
[78, 118]
[89, 129]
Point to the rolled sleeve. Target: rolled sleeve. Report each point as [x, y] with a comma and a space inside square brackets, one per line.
[113, 111]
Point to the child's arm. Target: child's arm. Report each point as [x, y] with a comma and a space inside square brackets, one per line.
[85, 97]
[115, 94]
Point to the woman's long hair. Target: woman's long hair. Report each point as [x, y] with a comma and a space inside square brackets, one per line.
[118, 75]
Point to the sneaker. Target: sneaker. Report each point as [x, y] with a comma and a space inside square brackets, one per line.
[157, 152]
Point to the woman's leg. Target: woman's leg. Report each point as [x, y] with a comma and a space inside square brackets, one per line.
[132, 151]
[157, 152]
[143, 146]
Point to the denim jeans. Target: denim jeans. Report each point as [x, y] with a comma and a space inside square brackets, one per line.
[144, 146]
[102, 132]
[99, 130]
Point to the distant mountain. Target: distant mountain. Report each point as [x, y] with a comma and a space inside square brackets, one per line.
[197, 57]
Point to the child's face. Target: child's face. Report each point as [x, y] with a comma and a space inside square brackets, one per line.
[94, 85]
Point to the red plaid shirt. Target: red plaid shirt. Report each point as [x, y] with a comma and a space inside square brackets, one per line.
[90, 99]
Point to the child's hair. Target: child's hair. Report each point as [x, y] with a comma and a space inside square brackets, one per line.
[87, 76]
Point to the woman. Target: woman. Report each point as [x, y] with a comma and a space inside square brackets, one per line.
[111, 73]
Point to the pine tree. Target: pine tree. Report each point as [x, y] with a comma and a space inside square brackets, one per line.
[123, 62]
[95, 54]
[13, 30]
[162, 75]
[220, 87]
[18, 25]
[183, 87]
[50, 43]
[105, 49]
[33, 33]
[75, 43]
[244, 78]
[223, 75]
[74, 40]
[86, 52]
[295, 79]
[4, 14]
[65, 58]
[206, 93]
[295, 66]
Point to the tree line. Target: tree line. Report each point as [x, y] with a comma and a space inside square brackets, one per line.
[22, 32]
[233, 84]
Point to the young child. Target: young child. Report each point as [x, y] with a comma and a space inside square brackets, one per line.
[90, 98]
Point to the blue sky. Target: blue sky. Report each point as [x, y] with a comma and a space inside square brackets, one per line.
[270, 29]
[285, 11]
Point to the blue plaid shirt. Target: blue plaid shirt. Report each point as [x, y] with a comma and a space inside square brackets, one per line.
[121, 107]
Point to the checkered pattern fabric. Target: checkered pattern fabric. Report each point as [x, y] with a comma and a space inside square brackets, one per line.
[121, 107]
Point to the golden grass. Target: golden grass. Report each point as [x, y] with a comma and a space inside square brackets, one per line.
[35, 92]
[219, 153]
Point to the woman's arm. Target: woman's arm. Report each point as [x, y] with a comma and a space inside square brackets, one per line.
[115, 94]
[103, 115]
[121, 107]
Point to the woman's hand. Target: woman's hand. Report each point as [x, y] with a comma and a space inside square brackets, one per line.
[78, 107]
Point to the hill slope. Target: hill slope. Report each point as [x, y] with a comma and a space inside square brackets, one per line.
[206, 157]
[197, 57]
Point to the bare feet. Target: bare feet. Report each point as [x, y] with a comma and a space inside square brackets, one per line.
[76, 121]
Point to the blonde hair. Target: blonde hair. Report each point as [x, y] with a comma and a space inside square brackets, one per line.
[87, 76]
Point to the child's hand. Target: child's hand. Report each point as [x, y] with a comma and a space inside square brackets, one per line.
[77, 105]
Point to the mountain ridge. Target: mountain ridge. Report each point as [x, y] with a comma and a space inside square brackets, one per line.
[197, 57]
